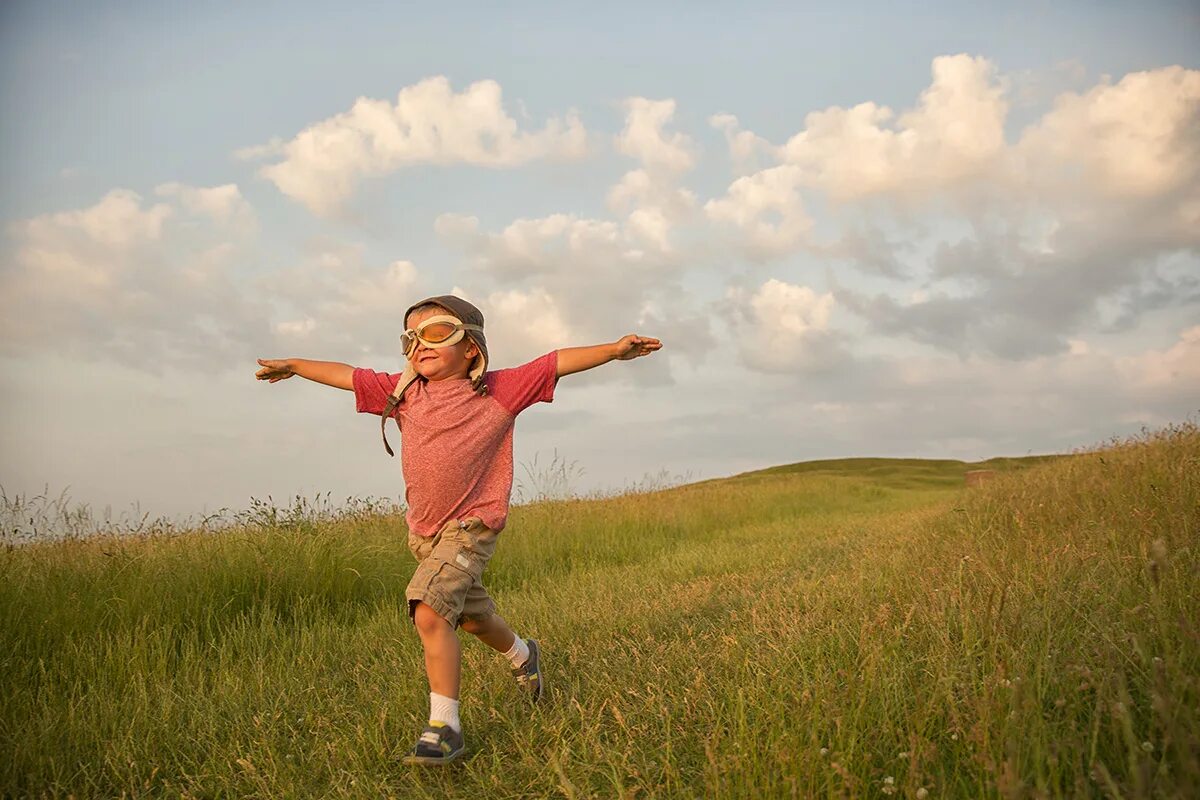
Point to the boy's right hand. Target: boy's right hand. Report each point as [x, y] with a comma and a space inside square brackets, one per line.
[274, 369]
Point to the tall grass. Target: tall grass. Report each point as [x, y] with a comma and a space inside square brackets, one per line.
[25, 519]
[802, 633]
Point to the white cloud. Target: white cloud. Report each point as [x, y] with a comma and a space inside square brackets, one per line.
[526, 247]
[1136, 138]
[1176, 368]
[343, 303]
[223, 204]
[651, 199]
[767, 211]
[117, 280]
[654, 207]
[118, 221]
[956, 132]
[644, 139]
[783, 327]
[274, 147]
[429, 123]
[745, 147]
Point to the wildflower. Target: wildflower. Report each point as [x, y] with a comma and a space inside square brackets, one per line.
[922, 793]
[824, 751]
[889, 780]
[954, 736]
[889, 785]
[903, 754]
[1149, 748]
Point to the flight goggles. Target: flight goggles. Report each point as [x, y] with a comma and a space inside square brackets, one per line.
[442, 330]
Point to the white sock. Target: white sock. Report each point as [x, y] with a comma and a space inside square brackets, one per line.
[518, 654]
[444, 709]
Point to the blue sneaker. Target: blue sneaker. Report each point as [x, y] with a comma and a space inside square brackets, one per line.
[529, 674]
[439, 744]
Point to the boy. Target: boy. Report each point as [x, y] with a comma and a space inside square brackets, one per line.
[456, 423]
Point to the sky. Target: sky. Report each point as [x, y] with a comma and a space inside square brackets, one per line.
[964, 231]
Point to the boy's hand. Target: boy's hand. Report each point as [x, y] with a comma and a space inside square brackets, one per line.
[577, 359]
[274, 369]
[632, 346]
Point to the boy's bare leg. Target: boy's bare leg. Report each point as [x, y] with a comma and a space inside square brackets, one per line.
[493, 631]
[443, 658]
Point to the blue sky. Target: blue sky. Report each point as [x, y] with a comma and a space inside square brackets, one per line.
[997, 256]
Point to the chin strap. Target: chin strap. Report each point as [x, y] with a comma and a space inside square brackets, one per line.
[407, 379]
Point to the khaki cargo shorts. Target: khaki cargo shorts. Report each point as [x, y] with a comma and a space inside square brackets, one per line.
[450, 566]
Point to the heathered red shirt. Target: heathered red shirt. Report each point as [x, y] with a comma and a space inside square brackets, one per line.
[456, 446]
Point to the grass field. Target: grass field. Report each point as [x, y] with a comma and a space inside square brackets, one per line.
[860, 628]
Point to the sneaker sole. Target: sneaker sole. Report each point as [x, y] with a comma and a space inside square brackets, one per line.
[541, 674]
[431, 761]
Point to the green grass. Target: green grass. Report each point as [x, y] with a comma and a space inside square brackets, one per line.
[833, 629]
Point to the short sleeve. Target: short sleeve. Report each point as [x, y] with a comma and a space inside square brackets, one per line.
[372, 389]
[520, 387]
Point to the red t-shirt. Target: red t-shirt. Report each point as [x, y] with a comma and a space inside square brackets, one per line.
[456, 446]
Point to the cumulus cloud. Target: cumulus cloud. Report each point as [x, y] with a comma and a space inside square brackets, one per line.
[650, 198]
[223, 204]
[949, 142]
[336, 300]
[428, 123]
[1084, 209]
[118, 221]
[955, 132]
[1176, 369]
[644, 138]
[117, 280]
[767, 212]
[529, 247]
[783, 327]
[746, 149]
[654, 207]
[1137, 138]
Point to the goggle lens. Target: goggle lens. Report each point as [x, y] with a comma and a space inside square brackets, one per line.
[436, 332]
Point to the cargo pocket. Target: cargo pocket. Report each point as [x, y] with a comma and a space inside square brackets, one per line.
[477, 543]
[459, 551]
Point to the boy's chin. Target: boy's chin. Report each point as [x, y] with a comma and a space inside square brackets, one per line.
[433, 371]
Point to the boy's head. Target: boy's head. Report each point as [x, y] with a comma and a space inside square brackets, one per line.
[444, 339]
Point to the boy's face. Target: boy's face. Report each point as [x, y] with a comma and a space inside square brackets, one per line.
[438, 364]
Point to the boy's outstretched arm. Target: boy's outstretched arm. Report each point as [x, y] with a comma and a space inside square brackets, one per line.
[577, 359]
[330, 373]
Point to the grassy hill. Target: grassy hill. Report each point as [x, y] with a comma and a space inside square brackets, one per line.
[854, 628]
[898, 473]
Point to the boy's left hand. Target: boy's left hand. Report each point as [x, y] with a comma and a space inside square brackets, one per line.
[632, 346]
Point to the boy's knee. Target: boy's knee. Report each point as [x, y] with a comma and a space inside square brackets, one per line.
[426, 619]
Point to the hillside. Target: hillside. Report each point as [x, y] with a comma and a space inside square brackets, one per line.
[850, 628]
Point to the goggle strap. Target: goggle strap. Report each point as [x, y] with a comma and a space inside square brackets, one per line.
[406, 380]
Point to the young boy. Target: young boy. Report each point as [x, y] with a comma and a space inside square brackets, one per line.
[456, 425]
